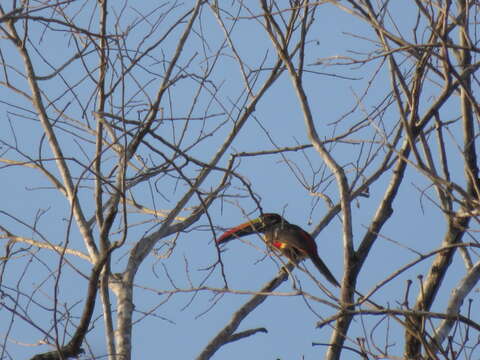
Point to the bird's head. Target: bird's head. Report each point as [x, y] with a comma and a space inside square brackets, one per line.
[258, 225]
[269, 219]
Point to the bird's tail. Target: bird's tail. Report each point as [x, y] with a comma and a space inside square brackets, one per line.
[324, 270]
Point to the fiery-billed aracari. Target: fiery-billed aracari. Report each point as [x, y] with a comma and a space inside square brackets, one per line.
[291, 240]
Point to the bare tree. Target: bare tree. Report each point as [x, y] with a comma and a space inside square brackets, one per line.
[134, 134]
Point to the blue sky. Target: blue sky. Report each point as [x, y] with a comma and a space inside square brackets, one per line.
[178, 326]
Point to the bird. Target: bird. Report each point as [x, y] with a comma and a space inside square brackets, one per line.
[289, 239]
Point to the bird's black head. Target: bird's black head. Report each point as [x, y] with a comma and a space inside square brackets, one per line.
[268, 219]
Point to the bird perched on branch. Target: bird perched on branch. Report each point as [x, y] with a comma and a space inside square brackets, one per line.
[291, 240]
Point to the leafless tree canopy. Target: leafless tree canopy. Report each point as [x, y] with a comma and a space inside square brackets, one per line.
[133, 133]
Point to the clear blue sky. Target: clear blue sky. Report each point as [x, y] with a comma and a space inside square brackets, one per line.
[180, 327]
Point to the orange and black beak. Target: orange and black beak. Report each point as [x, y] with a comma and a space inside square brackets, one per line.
[250, 227]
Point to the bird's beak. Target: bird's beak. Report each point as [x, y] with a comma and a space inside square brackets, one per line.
[244, 229]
